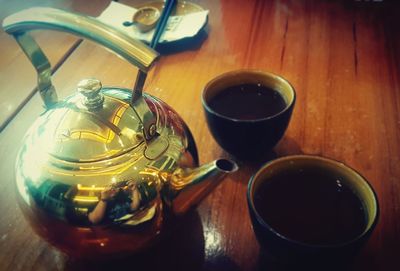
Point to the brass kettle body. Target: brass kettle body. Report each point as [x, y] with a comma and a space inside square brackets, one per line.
[98, 171]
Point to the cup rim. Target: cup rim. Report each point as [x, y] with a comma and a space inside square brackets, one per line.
[263, 223]
[253, 71]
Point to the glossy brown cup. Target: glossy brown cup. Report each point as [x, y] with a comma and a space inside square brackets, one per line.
[248, 139]
[290, 251]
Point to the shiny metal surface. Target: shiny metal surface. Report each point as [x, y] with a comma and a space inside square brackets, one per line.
[134, 51]
[90, 89]
[98, 172]
[89, 202]
[42, 66]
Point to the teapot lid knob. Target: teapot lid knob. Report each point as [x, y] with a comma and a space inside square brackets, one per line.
[90, 89]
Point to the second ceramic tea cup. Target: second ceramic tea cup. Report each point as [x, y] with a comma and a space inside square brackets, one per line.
[248, 111]
[311, 211]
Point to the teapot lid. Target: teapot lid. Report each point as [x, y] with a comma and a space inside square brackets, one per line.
[92, 125]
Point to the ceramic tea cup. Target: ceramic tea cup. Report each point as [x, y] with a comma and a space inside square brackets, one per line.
[248, 111]
[311, 210]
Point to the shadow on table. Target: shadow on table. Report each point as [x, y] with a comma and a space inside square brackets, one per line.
[181, 248]
[186, 44]
[287, 146]
[221, 263]
[268, 262]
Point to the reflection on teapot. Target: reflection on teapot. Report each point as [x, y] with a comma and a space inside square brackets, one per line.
[98, 171]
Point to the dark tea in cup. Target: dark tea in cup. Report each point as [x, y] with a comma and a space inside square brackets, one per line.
[323, 208]
[248, 111]
[248, 102]
[311, 210]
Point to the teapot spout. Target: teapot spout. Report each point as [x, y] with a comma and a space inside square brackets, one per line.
[187, 187]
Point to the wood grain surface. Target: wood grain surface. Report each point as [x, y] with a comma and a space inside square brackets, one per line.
[342, 57]
[17, 75]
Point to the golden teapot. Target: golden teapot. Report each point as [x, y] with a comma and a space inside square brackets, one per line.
[98, 172]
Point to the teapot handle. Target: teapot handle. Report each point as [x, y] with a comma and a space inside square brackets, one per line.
[87, 27]
[90, 28]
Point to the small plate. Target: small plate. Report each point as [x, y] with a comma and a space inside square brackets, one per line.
[186, 21]
[146, 18]
[182, 8]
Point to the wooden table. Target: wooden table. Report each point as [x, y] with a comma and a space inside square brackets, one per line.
[342, 57]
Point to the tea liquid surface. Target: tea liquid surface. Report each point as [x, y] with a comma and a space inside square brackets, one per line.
[311, 207]
[248, 102]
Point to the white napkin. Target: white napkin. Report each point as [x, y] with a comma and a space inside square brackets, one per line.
[178, 27]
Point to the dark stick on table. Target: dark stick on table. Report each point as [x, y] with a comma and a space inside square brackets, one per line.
[162, 23]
